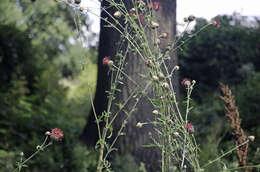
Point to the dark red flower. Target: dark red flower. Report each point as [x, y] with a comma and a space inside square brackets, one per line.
[56, 134]
[186, 82]
[155, 6]
[106, 60]
[216, 23]
[142, 18]
[189, 127]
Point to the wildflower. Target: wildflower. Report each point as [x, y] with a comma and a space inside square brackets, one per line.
[107, 61]
[155, 78]
[158, 41]
[251, 138]
[155, 112]
[154, 25]
[164, 35]
[191, 18]
[216, 23]
[139, 125]
[165, 85]
[142, 18]
[77, 1]
[117, 14]
[189, 127]
[149, 63]
[186, 82]
[155, 6]
[132, 11]
[56, 134]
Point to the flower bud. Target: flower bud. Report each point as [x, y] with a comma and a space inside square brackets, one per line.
[139, 125]
[251, 138]
[165, 85]
[176, 134]
[117, 14]
[154, 25]
[149, 63]
[155, 78]
[155, 112]
[161, 75]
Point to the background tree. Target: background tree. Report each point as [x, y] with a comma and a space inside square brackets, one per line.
[108, 46]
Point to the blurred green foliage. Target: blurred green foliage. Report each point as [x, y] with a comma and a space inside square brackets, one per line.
[228, 54]
[36, 58]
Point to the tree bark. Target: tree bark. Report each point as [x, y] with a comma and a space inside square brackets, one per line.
[135, 137]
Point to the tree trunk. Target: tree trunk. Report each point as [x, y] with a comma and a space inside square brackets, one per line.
[135, 137]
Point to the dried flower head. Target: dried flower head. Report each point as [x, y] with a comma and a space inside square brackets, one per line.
[117, 14]
[186, 82]
[155, 112]
[155, 6]
[56, 134]
[189, 127]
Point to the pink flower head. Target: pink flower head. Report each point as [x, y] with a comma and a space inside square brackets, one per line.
[165, 35]
[186, 82]
[142, 17]
[106, 60]
[216, 23]
[189, 127]
[56, 134]
[155, 6]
